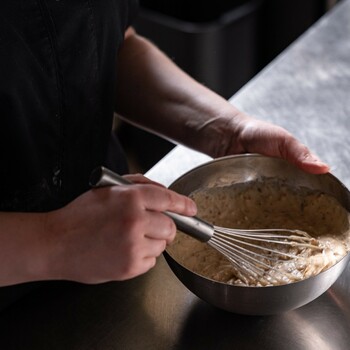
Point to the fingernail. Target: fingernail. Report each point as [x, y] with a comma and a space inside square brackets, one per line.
[317, 165]
[312, 158]
[193, 208]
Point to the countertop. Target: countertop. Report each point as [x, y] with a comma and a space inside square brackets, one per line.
[306, 90]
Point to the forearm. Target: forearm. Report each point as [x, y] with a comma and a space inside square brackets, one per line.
[24, 248]
[155, 93]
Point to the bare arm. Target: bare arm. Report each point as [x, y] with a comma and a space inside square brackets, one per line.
[22, 257]
[157, 95]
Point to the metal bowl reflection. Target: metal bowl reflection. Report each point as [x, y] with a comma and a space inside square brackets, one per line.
[257, 300]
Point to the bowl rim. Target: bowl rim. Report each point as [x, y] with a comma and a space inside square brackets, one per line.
[254, 155]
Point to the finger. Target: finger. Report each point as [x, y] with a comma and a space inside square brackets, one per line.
[161, 227]
[140, 179]
[302, 157]
[144, 265]
[162, 199]
[281, 143]
[149, 263]
[154, 248]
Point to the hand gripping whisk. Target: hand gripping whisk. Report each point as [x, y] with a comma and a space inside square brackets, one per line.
[251, 252]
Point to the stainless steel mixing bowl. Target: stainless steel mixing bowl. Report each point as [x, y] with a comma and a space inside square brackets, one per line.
[257, 300]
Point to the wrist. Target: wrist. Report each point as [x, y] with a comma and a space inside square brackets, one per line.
[42, 250]
[225, 133]
[25, 248]
[50, 263]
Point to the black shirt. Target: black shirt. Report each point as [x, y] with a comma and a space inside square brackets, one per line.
[57, 84]
[57, 81]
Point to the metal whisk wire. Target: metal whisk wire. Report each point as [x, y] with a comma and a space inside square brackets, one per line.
[252, 260]
[251, 252]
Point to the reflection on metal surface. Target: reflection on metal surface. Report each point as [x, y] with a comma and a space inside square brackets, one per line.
[308, 333]
[165, 300]
[341, 298]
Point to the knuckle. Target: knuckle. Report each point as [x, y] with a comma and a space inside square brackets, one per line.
[171, 237]
[166, 226]
[171, 227]
[129, 224]
[133, 195]
[174, 200]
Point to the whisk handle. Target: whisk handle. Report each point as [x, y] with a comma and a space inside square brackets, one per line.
[102, 176]
[191, 225]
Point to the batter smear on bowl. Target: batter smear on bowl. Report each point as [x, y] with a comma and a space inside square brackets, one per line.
[267, 203]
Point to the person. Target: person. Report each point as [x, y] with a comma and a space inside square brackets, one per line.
[66, 67]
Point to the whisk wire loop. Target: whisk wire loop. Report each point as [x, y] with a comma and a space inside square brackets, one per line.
[254, 252]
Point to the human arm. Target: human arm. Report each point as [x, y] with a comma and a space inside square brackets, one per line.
[106, 234]
[155, 94]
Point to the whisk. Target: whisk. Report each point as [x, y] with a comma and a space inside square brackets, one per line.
[251, 251]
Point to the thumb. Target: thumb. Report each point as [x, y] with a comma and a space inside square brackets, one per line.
[303, 158]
